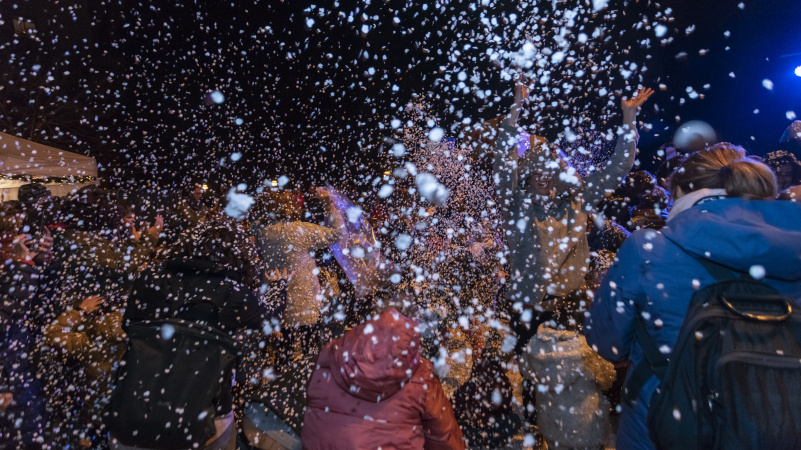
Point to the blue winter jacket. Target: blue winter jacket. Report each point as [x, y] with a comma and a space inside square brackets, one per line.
[652, 276]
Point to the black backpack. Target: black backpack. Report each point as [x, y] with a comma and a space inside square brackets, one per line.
[172, 376]
[733, 380]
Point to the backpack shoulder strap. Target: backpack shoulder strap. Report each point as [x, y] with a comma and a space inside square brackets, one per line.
[653, 363]
[718, 271]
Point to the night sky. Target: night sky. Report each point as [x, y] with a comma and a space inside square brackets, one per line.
[311, 89]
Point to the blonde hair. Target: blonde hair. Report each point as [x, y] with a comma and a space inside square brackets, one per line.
[724, 166]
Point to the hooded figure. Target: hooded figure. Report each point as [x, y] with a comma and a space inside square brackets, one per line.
[372, 389]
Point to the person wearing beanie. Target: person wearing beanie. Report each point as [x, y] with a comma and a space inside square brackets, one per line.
[32, 197]
[32, 194]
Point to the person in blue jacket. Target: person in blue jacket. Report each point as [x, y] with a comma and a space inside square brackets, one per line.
[723, 212]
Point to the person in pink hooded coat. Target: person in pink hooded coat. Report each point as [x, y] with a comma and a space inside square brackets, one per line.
[372, 389]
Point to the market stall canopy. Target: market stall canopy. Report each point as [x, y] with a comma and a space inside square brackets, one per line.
[23, 161]
[20, 157]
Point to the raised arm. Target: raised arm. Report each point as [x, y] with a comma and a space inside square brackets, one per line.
[608, 175]
[506, 156]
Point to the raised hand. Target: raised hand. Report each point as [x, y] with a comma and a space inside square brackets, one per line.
[155, 230]
[136, 233]
[323, 193]
[45, 244]
[90, 303]
[521, 95]
[632, 105]
[275, 274]
[6, 398]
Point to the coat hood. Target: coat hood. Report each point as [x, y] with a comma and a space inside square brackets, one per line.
[740, 234]
[377, 358]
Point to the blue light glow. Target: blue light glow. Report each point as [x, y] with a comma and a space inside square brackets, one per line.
[798, 71]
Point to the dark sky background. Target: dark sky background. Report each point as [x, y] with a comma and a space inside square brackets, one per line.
[315, 85]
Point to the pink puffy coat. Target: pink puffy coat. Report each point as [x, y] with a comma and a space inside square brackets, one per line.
[372, 389]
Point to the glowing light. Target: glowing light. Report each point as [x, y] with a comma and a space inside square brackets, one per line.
[387, 173]
[798, 71]
[275, 183]
[205, 187]
[217, 97]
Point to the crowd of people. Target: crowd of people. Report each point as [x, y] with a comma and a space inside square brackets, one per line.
[189, 328]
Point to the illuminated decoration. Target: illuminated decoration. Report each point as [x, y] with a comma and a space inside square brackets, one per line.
[23, 161]
[797, 71]
[49, 180]
[205, 187]
[275, 183]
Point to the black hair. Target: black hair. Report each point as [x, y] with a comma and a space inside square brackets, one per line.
[223, 242]
[276, 207]
[95, 210]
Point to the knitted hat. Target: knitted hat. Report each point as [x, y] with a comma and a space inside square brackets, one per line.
[29, 194]
[791, 139]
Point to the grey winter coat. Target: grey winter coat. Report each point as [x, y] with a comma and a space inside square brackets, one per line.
[548, 250]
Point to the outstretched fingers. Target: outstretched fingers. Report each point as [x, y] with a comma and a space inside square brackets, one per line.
[639, 97]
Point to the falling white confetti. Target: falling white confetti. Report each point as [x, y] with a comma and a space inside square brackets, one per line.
[431, 189]
[167, 331]
[436, 134]
[385, 191]
[238, 204]
[217, 97]
[403, 241]
[757, 272]
[598, 5]
[354, 213]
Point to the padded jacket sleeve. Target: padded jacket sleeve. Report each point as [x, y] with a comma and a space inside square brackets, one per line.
[440, 428]
[610, 173]
[610, 325]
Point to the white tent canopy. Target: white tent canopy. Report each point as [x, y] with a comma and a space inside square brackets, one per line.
[20, 157]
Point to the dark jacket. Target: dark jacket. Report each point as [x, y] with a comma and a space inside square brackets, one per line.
[372, 389]
[655, 276]
[19, 316]
[94, 265]
[198, 290]
[192, 289]
[483, 405]
[21, 319]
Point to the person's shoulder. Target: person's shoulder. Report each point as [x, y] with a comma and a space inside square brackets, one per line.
[424, 372]
[646, 235]
[644, 243]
